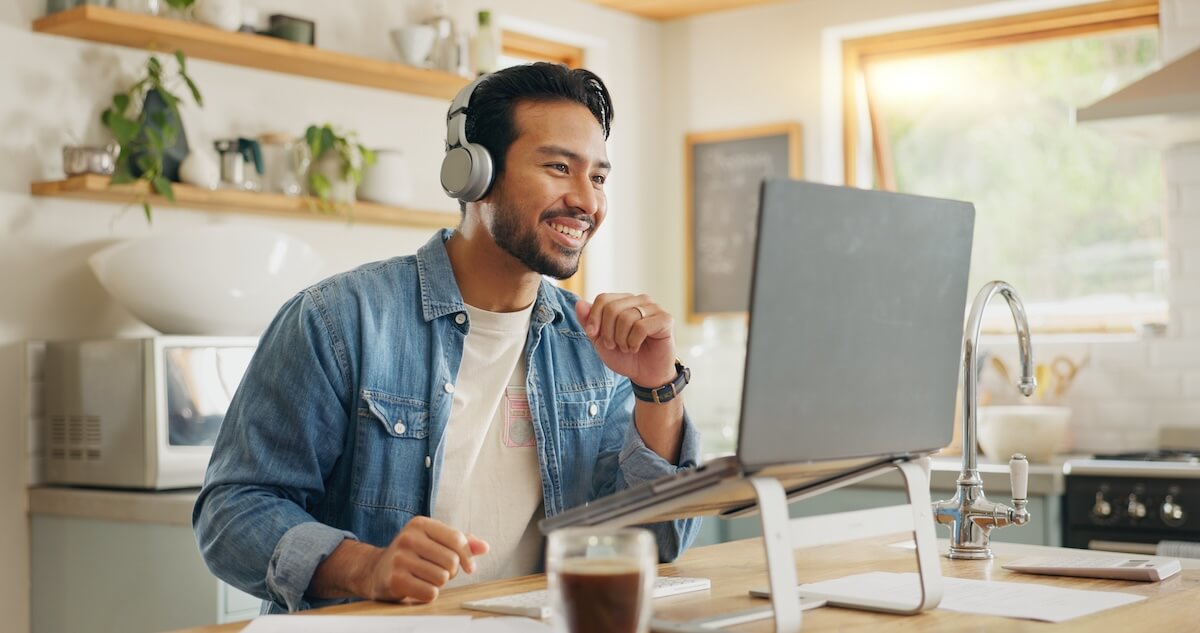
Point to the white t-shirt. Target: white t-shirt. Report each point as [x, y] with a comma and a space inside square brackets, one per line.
[490, 484]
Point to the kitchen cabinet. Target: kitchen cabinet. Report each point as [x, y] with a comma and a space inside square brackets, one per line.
[122, 561]
[96, 188]
[1045, 502]
[110, 26]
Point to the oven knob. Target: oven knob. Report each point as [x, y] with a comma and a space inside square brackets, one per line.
[1136, 509]
[1102, 509]
[1172, 513]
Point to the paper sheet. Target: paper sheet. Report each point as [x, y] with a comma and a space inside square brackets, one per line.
[392, 624]
[1031, 601]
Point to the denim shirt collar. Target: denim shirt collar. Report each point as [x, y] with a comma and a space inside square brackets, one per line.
[440, 295]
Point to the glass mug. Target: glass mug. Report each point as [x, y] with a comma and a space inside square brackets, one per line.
[601, 580]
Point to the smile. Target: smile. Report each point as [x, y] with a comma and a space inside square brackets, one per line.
[566, 230]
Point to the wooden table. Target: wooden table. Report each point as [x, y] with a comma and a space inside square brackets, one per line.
[1171, 605]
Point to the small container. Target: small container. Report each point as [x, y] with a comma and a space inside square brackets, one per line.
[285, 162]
[90, 159]
[54, 6]
[148, 7]
[291, 28]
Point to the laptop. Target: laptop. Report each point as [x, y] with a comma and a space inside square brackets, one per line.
[852, 362]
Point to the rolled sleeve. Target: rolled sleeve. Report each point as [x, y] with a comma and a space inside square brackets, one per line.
[295, 560]
[639, 464]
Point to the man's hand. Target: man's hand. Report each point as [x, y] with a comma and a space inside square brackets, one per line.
[422, 558]
[632, 335]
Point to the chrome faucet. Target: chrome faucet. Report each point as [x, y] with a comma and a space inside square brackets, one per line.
[970, 516]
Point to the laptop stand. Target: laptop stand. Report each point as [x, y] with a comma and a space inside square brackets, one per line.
[781, 562]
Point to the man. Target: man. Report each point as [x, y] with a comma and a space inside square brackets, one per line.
[415, 417]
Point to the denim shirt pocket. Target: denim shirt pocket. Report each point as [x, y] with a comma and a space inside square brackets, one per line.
[392, 443]
[582, 409]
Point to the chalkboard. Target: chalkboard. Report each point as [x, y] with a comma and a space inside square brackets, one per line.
[724, 173]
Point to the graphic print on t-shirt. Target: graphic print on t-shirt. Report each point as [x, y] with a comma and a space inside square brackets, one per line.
[518, 423]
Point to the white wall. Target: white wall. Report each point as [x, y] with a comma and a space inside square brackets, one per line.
[55, 88]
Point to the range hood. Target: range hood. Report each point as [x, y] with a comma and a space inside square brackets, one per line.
[1162, 108]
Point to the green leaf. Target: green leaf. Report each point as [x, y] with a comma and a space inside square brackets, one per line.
[120, 102]
[310, 136]
[192, 87]
[328, 139]
[319, 185]
[368, 156]
[121, 175]
[180, 58]
[145, 162]
[155, 138]
[146, 210]
[163, 187]
[123, 129]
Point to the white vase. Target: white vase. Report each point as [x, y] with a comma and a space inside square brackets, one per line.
[200, 169]
[223, 14]
[387, 181]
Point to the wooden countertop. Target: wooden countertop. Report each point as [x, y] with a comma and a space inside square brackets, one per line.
[739, 566]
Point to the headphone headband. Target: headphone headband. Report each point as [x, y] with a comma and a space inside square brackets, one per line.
[467, 167]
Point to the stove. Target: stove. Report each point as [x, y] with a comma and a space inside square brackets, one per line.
[1131, 501]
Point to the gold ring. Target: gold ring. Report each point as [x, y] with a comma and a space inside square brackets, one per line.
[640, 311]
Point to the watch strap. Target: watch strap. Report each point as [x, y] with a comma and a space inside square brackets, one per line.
[667, 392]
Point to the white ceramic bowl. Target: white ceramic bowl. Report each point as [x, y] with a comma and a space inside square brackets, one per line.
[218, 280]
[1037, 431]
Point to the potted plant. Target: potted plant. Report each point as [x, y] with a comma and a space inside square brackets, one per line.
[146, 124]
[337, 165]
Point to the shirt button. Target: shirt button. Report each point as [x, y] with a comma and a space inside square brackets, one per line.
[449, 388]
[428, 461]
[460, 318]
[592, 409]
[399, 428]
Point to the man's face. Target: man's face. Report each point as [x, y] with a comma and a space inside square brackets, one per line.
[550, 199]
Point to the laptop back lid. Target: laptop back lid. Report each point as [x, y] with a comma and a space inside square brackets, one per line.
[856, 323]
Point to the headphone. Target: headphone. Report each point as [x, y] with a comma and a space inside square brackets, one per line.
[467, 169]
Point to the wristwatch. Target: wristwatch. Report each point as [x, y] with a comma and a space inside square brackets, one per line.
[667, 392]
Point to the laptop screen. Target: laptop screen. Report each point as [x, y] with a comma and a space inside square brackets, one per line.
[856, 324]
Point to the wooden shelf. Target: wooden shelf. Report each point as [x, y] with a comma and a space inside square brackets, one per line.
[110, 26]
[96, 188]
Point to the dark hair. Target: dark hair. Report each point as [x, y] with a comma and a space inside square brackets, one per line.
[490, 111]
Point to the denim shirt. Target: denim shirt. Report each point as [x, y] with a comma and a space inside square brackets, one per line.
[338, 428]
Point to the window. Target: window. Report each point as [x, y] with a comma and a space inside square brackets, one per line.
[518, 48]
[983, 112]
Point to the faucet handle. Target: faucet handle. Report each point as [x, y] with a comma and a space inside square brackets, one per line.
[1018, 475]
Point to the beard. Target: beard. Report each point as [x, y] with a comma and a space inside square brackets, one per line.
[524, 244]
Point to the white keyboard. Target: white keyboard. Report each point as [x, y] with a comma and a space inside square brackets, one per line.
[536, 604]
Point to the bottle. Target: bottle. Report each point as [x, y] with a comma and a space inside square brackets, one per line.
[485, 46]
[445, 54]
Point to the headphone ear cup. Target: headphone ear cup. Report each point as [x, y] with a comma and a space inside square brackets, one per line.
[456, 171]
[481, 174]
[467, 172]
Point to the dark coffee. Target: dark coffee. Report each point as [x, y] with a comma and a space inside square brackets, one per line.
[601, 596]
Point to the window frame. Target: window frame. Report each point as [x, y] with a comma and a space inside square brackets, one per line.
[859, 53]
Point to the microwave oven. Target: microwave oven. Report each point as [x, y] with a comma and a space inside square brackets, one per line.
[138, 413]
